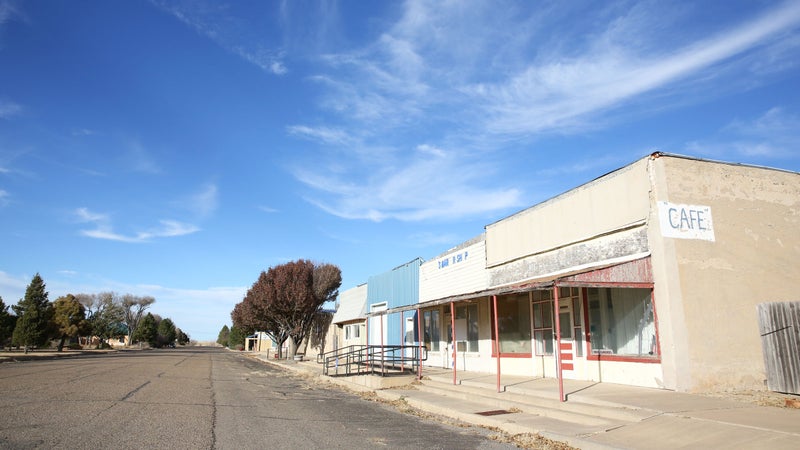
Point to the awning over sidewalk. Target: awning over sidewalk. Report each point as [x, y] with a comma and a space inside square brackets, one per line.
[632, 273]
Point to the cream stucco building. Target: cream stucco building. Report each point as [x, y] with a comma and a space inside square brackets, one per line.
[655, 270]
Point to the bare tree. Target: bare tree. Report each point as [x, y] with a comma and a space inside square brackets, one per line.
[104, 313]
[134, 308]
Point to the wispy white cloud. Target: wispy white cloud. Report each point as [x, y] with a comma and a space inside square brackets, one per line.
[428, 185]
[204, 202]
[4, 197]
[323, 135]
[267, 209]
[562, 92]
[9, 109]
[83, 132]
[773, 135]
[12, 287]
[215, 21]
[474, 78]
[103, 228]
[139, 159]
[9, 11]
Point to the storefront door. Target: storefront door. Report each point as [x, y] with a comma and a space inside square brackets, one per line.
[567, 348]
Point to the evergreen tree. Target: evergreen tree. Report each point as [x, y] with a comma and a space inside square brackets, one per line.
[35, 316]
[182, 337]
[236, 338]
[147, 331]
[222, 339]
[167, 332]
[69, 318]
[7, 322]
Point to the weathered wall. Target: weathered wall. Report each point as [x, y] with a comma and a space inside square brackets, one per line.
[461, 270]
[621, 246]
[707, 291]
[352, 304]
[610, 203]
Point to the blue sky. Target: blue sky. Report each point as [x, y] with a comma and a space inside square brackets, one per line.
[177, 149]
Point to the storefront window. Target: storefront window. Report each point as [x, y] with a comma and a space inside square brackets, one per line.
[469, 314]
[621, 322]
[514, 324]
[576, 323]
[431, 329]
[543, 322]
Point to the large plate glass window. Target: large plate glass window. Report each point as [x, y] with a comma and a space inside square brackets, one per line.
[621, 322]
[543, 322]
[430, 322]
[514, 324]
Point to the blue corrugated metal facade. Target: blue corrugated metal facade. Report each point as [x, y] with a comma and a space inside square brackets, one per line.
[397, 287]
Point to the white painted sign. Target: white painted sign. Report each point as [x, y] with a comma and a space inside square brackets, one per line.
[686, 221]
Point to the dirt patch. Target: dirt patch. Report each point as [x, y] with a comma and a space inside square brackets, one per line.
[535, 441]
[525, 440]
[760, 398]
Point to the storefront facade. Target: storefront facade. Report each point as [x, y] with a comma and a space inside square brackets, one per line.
[647, 276]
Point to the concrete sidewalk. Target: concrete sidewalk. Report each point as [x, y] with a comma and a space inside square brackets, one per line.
[596, 415]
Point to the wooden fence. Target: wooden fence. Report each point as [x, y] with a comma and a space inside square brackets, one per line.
[779, 324]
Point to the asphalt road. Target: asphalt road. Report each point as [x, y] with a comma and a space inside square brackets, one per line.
[199, 398]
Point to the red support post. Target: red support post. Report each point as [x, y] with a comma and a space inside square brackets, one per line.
[496, 339]
[419, 340]
[558, 344]
[453, 338]
[383, 356]
[402, 342]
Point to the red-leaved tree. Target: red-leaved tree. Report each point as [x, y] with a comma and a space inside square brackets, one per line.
[285, 299]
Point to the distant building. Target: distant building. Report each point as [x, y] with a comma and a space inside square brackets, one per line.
[350, 320]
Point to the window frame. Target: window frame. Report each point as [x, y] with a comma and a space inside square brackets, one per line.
[542, 329]
[590, 355]
[494, 339]
[427, 328]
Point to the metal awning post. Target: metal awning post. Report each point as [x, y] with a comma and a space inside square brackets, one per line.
[383, 356]
[496, 339]
[559, 366]
[419, 341]
[453, 337]
[402, 343]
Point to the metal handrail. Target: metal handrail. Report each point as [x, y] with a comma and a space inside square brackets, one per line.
[370, 358]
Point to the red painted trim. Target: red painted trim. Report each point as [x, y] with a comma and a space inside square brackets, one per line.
[621, 358]
[566, 346]
[402, 340]
[559, 365]
[566, 366]
[599, 284]
[655, 319]
[496, 342]
[513, 355]
[453, 333]
[587, 336]
[566, 356]
[656, 359]
[420, 343]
